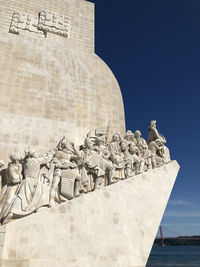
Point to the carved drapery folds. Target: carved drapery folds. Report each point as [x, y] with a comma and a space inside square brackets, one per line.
[45, 22]
[33, 181]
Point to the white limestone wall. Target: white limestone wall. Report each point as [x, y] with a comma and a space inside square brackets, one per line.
[114, 226]
[53, 86]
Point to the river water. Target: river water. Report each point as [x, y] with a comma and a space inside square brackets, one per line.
[174, 256]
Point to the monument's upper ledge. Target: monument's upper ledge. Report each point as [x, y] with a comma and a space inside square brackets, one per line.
[71, 20]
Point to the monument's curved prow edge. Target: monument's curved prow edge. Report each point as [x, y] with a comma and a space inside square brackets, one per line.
[52, 84]
[114, 226]
[114, 78]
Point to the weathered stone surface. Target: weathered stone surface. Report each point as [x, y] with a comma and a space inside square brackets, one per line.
[114, 226]
[53, 86]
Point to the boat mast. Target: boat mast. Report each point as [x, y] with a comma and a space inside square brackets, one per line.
[161, 237]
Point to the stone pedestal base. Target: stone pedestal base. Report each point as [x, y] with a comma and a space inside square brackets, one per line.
[111, 227]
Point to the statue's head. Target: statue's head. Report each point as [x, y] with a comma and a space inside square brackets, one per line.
[67, 145]
[129, 136]
[31, 153]
[152, 124]
[116, 137]
[124, 145]
[88, 143]
[133, 149]
[14, 157]
[100, 140]
[137, 133]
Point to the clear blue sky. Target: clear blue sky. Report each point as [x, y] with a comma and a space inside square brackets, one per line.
[153, 48]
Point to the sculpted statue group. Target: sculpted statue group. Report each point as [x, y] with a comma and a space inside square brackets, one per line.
[37, 181]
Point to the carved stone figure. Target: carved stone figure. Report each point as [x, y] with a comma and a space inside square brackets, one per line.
[154, 134]
[129, 136]
[143, 150]
[60, 194]
[65, 149]
[10, 189]
[137, 162]
[96, 164]
[128, 172]
[117, 156]
[101, 147]
[33, 192]
[37, 181]
[156, 142]
[70, 179]
[93, 161]
[148, 157]
[156, 149]
[140, 142]
[114, 148]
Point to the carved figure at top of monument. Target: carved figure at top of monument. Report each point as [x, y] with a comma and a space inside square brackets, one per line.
[157, 141]
[154, 134]
[14, 179]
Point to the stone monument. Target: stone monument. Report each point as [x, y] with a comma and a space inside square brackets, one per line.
[52, 83]
[76, 189]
